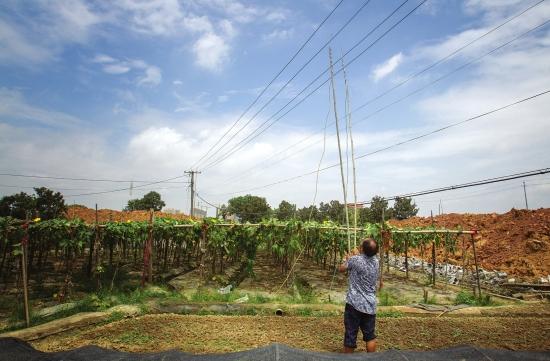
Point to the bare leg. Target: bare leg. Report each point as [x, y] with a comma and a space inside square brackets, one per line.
[371, 346]
[348, 349]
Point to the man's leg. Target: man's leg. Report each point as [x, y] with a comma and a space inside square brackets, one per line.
[368, 323]
[371, 346]
[351, 324]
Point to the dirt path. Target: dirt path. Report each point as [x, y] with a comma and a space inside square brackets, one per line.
[210, 334]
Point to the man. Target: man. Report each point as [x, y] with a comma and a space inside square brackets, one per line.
[360, 312]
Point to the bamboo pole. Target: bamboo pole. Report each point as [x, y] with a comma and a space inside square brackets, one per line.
[339, 149]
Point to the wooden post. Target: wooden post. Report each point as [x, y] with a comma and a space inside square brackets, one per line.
[433, 252]
[150, 245]
[202, 249]
[407, 257]
[92, 244]
[433, 263]
[24, 244]
[477, 268]
[463, 260]
[381, 265]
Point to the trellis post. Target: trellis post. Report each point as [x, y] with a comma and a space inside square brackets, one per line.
[407, 256]
[92, 244]
[24, 244]
[477, 268]
[150, 244]
[383, 243]
[433, 252]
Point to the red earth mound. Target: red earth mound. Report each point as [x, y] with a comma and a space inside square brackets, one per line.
[106, 215]
[516, 242]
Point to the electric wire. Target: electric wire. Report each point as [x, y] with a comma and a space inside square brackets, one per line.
[239, 145]
[82, 179]
[440, 61]
[467, 185]
[269, 84]
[409, 140]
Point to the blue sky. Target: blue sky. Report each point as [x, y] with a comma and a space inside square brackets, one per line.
[140, 90]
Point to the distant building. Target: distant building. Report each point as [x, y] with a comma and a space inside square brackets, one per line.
[172, 211]
[199, 213]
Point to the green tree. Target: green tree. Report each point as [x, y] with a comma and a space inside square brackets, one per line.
[377, 206]
[150, 200]
[332, 211]
[404, 208]
[17, 205]
[49, 204]
[304, 214]
[286, 211]
[249, 208]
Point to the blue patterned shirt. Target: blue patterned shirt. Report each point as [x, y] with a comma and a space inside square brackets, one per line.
[363, 278]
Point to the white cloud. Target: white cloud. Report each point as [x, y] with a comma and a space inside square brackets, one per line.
[116, 69]
[197, 24]
[177, 82]
[387, 67]
[15, 106]
[279, 34]
[211, 52]
[150, 75]
[157, 17]
[102, 58]
[16, 49]
[42, 37]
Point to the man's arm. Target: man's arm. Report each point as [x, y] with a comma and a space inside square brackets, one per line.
[344, 266]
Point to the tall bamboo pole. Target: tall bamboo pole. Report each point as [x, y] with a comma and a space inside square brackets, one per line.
[339, 147]
[350, 133]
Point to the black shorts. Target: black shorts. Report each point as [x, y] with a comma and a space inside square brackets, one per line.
[354, 319]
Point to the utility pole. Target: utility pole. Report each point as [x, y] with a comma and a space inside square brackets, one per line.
[192, 174]
[525, 195]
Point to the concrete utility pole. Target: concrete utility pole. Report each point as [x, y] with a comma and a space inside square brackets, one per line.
[192, 174]
[525, 195]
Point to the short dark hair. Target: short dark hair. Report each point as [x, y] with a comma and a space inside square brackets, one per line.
[370, 247]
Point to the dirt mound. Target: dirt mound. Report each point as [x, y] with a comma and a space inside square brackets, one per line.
[516, 242]
[106, 215]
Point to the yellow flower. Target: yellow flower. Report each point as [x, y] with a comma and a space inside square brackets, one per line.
[37, 219]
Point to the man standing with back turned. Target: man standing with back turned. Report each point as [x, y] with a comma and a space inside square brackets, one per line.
[360, 312]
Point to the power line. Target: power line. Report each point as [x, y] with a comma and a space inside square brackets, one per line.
[82, 179]
[402, 142]
[467, 185]
[239, 145]
[294, 76]
[126, 188]
[270, 83]
[71, 189]
[463, 66]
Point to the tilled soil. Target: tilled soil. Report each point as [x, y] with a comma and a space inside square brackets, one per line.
[213, 334]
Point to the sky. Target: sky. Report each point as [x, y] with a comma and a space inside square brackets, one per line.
[141, 91]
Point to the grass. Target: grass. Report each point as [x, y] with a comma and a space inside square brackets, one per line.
[387, 298]
[389, 314]
[467, 298]
[133, 338]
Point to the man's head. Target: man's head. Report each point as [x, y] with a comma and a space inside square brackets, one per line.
[370, 247]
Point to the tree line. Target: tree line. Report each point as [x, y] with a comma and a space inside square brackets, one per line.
[253, 209]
